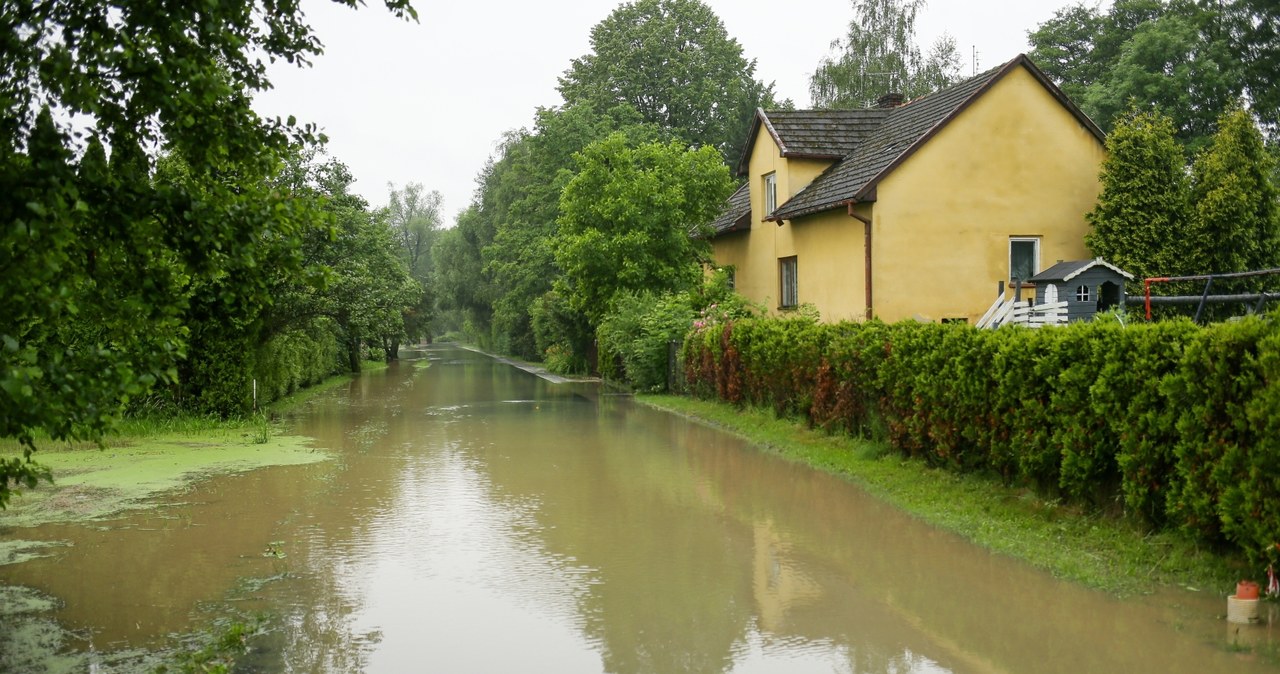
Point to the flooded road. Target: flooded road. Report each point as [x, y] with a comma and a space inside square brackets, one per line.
[476, 518]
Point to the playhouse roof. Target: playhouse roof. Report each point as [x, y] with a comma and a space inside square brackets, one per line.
[1065, 271]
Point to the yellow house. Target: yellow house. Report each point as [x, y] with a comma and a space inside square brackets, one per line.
[926, 209]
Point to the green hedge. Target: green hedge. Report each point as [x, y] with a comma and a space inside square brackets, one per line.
[296, 359]
[1179, 423]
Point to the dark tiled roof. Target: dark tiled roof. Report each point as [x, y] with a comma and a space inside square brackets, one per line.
[903, 130]
[1065, 271]
[736, 215]
[821, 134]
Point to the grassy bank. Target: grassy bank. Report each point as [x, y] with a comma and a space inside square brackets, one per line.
[1095, 550]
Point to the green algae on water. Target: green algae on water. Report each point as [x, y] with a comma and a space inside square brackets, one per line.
[19, 551]
[91, 483]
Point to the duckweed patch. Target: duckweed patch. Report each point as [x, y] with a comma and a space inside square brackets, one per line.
[19, 551]
[91, 483]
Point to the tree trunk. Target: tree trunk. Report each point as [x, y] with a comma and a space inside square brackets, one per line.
[353, 355]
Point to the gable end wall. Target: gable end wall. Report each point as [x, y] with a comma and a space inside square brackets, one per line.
[1014, 163]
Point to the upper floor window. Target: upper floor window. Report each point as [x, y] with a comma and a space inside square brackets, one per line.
[1024, 257]
[787, 273]
[770, 194]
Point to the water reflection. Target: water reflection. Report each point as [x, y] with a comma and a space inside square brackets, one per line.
[480, 519]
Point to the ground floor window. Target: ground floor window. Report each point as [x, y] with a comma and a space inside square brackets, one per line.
[1082, 293]
[1024, 257]
[787, 271]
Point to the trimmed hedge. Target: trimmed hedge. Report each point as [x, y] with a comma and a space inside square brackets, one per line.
[1179, 423]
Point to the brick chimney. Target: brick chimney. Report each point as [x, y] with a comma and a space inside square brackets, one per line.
[890, 100]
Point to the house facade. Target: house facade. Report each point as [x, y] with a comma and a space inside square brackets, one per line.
[924, 209]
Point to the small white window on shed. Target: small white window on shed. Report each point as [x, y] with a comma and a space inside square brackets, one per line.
[1082, 293]
[770, 194]
[1051, 294]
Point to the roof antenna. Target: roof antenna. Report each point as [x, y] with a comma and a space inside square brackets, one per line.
[975, 59]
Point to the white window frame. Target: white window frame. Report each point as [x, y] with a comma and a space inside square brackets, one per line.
[1035, 265]
[788, 282]
[770, 193]
[1084, 293]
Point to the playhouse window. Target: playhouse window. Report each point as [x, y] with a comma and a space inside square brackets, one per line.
[1082, 293]
[1024, 257]
[1051, 294]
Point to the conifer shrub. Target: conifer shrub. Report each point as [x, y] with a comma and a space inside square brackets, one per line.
[1129, 393]
[1219, 379]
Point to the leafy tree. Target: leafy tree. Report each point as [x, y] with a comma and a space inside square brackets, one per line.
[132, 77]
[674, 63]
[521, 258]
[629, 219]
[880, 55]
[1255, 29]
[1171, 64]
[1237, 215]
[1140, 220]
[1066, 48]
[941, 66]
[414, 217]
[1190, 60]
[365, 287]
[462, 288]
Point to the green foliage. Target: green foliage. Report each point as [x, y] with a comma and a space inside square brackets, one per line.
[218, 655]
[1140, 220]
[522, 196]
[414, 218]
[634, 337]
[1237, 216]
[563, 334]
[1174, 65]
[461, 286]
[659, 70]
[1175, 420]
[297, 358]
[99, 257]
[1217, 441]
[672, 62]
[1190, 61]
[1145, 221]
[629, 220]
[879, 55]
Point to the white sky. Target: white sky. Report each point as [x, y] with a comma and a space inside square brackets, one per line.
[427, 102]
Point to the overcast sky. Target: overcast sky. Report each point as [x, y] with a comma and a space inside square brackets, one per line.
[427, 102]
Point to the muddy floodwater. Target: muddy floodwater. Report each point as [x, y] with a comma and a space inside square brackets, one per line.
[477, 518]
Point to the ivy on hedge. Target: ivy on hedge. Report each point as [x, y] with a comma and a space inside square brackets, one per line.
[1180, 423]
